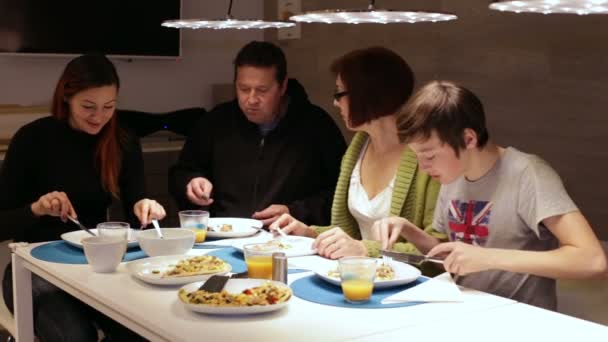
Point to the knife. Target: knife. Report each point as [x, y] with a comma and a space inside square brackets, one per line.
[409, 258]
[81, 226]
[216, 283]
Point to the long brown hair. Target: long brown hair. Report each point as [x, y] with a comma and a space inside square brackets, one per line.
[82, 73]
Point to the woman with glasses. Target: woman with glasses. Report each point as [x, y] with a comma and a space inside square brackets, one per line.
[379, 175]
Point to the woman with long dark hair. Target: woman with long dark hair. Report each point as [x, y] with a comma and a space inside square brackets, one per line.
[72, 163]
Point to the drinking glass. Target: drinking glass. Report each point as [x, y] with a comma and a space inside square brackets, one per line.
[357, 276]
[195, 220]
[104, 254]
[258, 257]
[114, 230]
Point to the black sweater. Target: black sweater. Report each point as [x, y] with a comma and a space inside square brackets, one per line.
[296, 164]
[48, 155]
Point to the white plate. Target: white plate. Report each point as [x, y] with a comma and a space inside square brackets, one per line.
[404, 274]
[74, 238]
[235, 286]
[241, 227]
[143, 269]
[295, 245]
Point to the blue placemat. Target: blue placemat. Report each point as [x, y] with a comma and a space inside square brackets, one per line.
[232, 256]
[64, 253]
[317, 290]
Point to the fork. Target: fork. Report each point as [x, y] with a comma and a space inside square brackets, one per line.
[281, 232]
[386, 260]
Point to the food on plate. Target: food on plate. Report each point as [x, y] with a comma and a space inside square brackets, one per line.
[383, 272]
[267, 294]
[272, 244]
[226, 228]
[202, 264]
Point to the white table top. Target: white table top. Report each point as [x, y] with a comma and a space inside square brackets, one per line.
[508, 323]
[156, 312]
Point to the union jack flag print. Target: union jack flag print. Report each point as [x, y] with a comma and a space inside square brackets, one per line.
[468, 221]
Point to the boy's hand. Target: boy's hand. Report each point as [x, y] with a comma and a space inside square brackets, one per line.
[463, 258]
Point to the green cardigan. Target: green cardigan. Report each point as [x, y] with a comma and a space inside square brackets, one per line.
[414, 197]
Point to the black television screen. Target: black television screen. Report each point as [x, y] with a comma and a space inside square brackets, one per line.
[112, 27]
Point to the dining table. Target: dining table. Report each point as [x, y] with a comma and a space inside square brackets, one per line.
[156, 313]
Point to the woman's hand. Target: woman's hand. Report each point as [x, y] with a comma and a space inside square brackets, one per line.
[388, 230]
[335, 244]
[146, 210]
[54, 203]
[290, 225]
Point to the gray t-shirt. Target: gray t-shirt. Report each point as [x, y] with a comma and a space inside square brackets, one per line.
[505, 209]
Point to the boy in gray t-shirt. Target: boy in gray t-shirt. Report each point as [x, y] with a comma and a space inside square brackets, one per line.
[512, 226]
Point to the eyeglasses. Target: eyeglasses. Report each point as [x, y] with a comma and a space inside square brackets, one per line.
[339, 95]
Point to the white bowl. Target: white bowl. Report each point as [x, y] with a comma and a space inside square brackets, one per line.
[175, 241]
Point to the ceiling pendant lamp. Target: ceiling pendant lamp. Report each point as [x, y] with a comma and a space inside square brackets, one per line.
[370, 15]
[227, 23]
[580, 7]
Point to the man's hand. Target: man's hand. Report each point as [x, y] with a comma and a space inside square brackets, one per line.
[463, 258]
[270, 214]
[335, 244]
[199, 190]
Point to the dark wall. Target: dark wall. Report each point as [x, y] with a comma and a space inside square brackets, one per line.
[542, 78]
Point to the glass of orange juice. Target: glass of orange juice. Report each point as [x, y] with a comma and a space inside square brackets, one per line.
[357, 276]
[258, 257]
[195, 220]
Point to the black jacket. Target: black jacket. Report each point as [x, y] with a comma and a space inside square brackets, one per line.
[48, 155]
[296, 164]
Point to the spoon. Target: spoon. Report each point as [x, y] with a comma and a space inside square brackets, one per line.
[157, 227]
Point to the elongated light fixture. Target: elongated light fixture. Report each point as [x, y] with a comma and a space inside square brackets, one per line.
[371, 15]
[227, 23]
[580, 7]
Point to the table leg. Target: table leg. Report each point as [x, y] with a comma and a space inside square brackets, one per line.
[22, 298]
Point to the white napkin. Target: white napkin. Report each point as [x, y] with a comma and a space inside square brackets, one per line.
[442, 288]
[313, 263]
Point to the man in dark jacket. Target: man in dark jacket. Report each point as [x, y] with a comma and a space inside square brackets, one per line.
[268, 152]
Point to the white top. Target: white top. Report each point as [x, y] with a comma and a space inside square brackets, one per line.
[365, 210]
